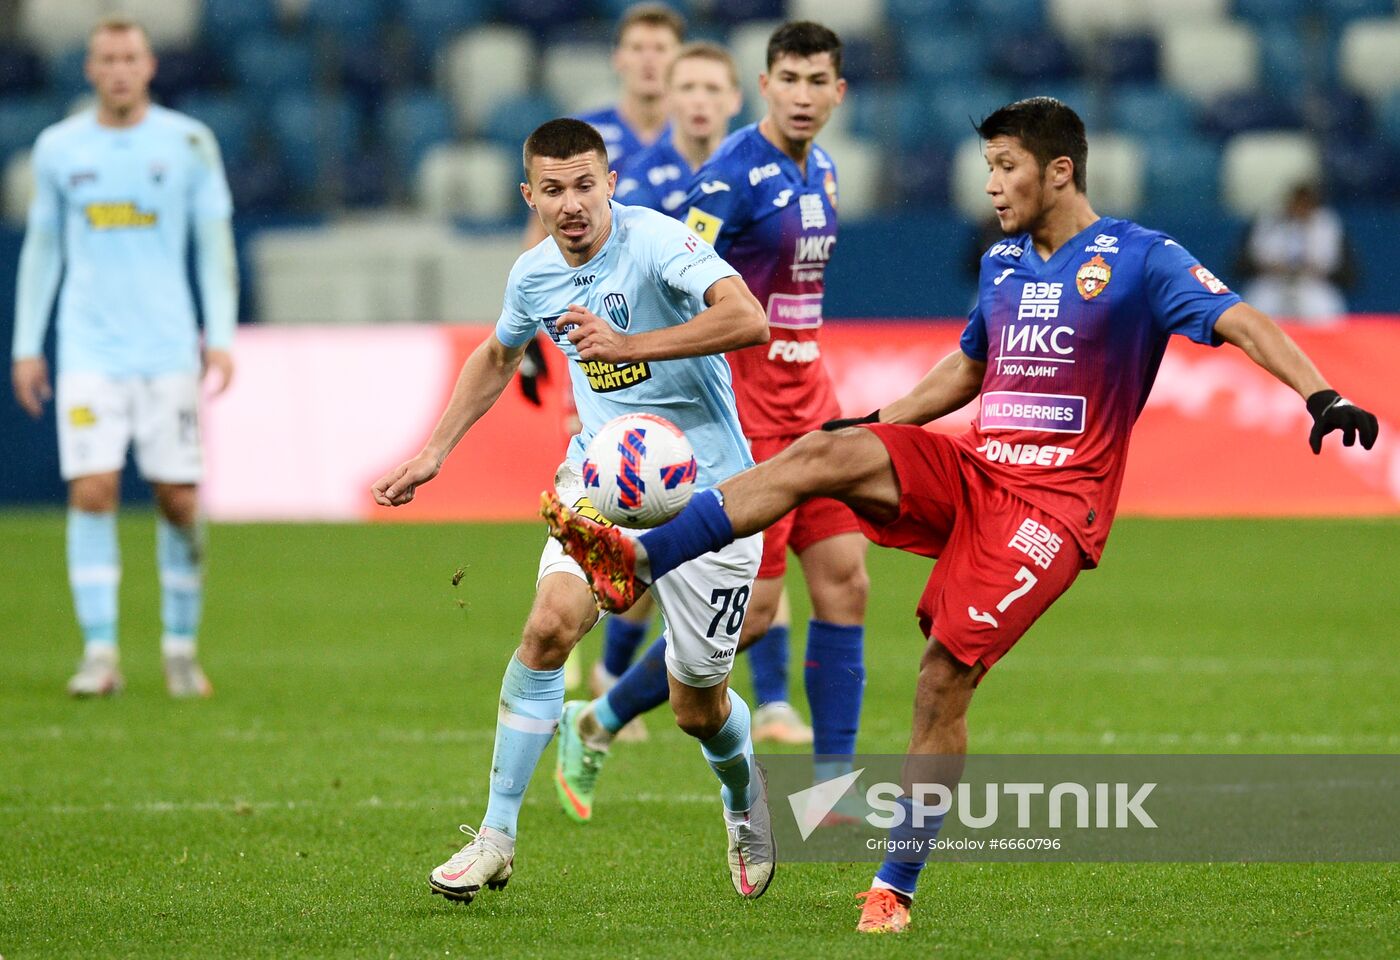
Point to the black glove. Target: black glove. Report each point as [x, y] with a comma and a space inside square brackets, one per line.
[1332, 411]
[872, 417]
[533, 369]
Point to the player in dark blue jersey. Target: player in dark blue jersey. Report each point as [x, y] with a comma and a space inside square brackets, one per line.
[702, 96]
[1073, 315]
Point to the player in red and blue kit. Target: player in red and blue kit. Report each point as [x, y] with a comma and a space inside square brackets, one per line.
[1073, 316]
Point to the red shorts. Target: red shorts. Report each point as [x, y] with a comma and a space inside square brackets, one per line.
[1001, 561]
[815, 520]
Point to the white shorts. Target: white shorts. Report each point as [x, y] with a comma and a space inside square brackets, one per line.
[100, 416]
[702, 602]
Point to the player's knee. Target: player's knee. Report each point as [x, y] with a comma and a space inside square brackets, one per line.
[698, 719]
[178, 503]
[549, 635]
[945, 685]
[93, 494]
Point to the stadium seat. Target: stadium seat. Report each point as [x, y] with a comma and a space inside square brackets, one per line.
[66, 77]
[16, 188]
[748, 43]
[228, 21]
[259, 184]
[860, 167]
[727, 11]
[229, 117]
[512, 120]
[1263, 13]
[1243, 111]
[916, 14]
[1258, 169]
[1081, 97]
[413, 123]
[366, 69]
[54, 26]
[1338, 13]
[579, 76]
[954, 108]
[1284, 59]
[1183, 172]
[22, 119]
[1012, 14]
[343, 17]
[542, 16]
[1150, 112]
[20, 70]
[1165, 16]
[894, 116]
[1388, 119]
[855, 18]
[169, 23]
[484, 66]
[1084, 22]
[967, 187]
[476, 181]
[1206, 60]
[1361, 171]
[1029, 57]
[1370, 55]
[933, 55]
[315, 133]
[184, 71]
[919, 180]
[1117, 174]
[1336, 113]
[432, 24]
[269, 64]
[1125, 58]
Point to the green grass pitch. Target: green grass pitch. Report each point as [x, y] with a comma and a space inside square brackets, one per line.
[299, 811]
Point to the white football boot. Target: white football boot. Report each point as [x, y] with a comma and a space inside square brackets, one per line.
[485, 861]
[778, 722]
[753, 853]
[97, 676]
[184, 680]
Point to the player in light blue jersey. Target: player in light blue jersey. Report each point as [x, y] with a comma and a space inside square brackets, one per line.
[673, 306]
[119, 189]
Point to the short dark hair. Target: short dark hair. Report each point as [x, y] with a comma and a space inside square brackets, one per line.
[650, 15]
[1046, 127]
[561, 139]
[803, 38]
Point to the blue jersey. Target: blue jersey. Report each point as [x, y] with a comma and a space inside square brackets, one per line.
[651, 273]
[125, 200]
[777, 225]
[1072, 346]
[656, 177]
[621, 140]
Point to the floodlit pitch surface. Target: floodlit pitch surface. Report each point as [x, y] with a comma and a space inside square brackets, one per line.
[299, 812]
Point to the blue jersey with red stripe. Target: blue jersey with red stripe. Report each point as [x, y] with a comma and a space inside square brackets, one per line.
[776, 225]
[1072, 345]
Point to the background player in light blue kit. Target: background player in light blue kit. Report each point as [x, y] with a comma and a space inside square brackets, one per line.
[673, 305]
[118, 190]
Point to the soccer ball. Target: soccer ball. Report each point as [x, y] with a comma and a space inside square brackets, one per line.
[639, 470]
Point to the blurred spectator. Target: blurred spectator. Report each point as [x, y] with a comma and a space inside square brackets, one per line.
[1296, 261]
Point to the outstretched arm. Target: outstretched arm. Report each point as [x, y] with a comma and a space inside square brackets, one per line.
[952, 384]
[484, 376]
[1267, 345]
[732, 319]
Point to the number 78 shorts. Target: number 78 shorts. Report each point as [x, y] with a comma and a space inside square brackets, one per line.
[703, 601]
[1001, 561]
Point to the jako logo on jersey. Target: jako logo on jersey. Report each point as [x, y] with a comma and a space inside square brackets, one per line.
[713, 186]
[722, 654]
[585, 281]
[1040, 300]
[1093, 277]
[604, 377]
[781, 200]
[1209, 280]
[1025, 454]
[759, 174]
[117, 216]
[618, 312]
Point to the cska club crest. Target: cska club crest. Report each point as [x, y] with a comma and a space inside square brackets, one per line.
[618, 312]
[1093, 277]
[829, 183]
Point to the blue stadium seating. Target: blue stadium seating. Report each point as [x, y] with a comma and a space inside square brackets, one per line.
[22, 119]
[1285, 57]
[229, 117]
[315, 133]
[1151, 112]
[365, 69]
[1388, 120]
[185, 71]
[413, 123]
[1182, 171]
[267, 64]
[932, 55]
[1127, 58]
[920, 179]
[20, 70]
[1360, 170]
[514, 119]
[1030, 57]
[346, 16]
[1235, 113]
[1333, 112]
[917, 14]
[1341, 12]
[542, 16]
[1081, 96]
[1009, 14]
[66, 77]
[955, 107]
[1262, 13]
[228, 21]
[431, 24]
[894, 115]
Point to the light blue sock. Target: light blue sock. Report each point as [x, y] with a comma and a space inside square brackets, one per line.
[178, 554]
[94, 573]
[730, 753]
[531, 702]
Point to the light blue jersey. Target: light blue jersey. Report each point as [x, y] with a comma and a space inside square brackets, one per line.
[124, 201]
[651, 273]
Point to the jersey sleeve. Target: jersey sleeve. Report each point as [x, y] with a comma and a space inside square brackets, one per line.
[209, 194]
[716, 205]
[974, 336]
[683, 261]
[46, 209]
[516, 327]
[1184, 296]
